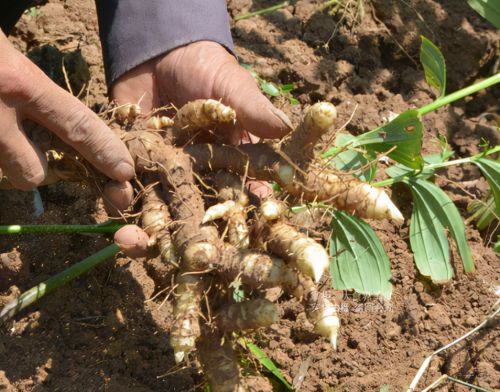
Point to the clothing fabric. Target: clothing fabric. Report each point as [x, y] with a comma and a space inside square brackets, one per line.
[133, 31]
[10, 12]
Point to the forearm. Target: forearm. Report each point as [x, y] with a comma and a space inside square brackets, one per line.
[133, 32]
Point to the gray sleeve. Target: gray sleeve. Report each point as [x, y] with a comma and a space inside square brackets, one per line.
[134, 31]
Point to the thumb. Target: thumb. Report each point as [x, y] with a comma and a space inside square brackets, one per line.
[254, 111]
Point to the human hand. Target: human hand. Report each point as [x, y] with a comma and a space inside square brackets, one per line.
[205, 70]
[200, 70]
[27, 93]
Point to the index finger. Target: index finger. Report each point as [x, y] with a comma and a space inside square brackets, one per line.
[80, 127]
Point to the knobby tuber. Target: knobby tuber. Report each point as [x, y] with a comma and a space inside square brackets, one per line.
[232, 207]
[186, 232]
[247, 315]
[262, 162]
[185, 329]
[155, 221]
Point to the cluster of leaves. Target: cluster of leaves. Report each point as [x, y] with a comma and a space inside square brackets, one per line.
[359, 261]
[272, 89]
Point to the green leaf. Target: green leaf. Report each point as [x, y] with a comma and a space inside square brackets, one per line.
[405, 133]
[359, 259]
[351, 160]
[287, 88]
[491, 171]
[265, 361]
[293, 100]
[434, 65]
[428, 241]
[488, 9]
[483, 212]
[33, 12]
[238, 292]
[270, 88]
[437, 213]
[496, 247]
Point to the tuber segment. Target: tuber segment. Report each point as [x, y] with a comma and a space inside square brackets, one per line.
[127, 113]
[186, 327]
[318, 184]
[194, 245]
[220, 363]
[200, 115]
[230, 190]
[256, 270]
[155, 222]
[248, 315]
[317, 121]
[323, 315]
[303, 252]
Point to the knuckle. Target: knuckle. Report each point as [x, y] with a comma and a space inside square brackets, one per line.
[15, 76]
[78, 127]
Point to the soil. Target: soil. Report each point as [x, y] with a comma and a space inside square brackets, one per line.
[105, 332]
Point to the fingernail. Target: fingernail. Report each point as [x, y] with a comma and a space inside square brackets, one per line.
[124, 171]
[282, 116]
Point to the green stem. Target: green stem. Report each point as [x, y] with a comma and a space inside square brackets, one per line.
[261, 11]
[107, 227]
[459, 94]
[35, 293]
[434, 166]
[457, 381]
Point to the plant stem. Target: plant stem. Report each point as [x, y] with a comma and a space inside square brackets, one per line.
[261, 11]
[35, 293]
[434, 166]
[455, 380]
[107, 227]
[459, 94]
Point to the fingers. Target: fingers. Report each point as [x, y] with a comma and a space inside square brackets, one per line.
[261, 189]
[118, 196]
[132, 241]
[137, 86]
[78, 126]
[21, 161]
[207, 70]
[254, 111]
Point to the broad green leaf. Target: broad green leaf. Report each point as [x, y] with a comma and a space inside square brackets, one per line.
[488, 9]
[428, 240]
[359, 259]
[491, 171]
[265, 361]
[434, 65]
[404, 133]
[293, 100]
[441, 209]
[351, 160]
[270, 88]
